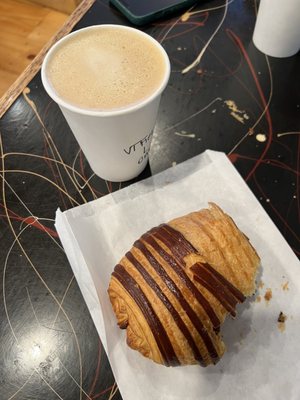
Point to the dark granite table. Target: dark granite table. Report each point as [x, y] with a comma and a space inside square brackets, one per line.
[235, 100]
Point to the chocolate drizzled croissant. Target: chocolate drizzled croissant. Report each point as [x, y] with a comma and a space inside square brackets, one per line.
[174, 288]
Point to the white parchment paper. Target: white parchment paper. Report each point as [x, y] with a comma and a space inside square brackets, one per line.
[261, 362]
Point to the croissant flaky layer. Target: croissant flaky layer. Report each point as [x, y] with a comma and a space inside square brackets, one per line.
[174, 288]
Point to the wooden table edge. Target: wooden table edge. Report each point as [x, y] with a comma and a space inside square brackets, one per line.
[19, 85]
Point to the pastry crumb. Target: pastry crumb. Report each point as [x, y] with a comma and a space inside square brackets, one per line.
[281, 321]
[282, 317]
[268, 295]
[285, 286]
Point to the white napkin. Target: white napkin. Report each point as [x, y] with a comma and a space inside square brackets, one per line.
[261, 362]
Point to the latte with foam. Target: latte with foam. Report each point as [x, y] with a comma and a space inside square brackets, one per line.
[106, 68]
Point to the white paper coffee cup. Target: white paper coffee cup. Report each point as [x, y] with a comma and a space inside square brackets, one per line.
[277, 28]
[116, 143]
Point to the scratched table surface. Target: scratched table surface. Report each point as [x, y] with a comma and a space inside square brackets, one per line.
[232, 99]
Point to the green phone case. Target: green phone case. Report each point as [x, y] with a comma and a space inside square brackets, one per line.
[146, 19]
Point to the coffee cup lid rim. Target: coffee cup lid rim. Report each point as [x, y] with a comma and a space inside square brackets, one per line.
[113, 112]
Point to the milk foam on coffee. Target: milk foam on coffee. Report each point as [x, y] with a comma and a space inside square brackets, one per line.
[106, 69]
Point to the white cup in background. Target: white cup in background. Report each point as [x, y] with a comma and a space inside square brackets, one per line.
[115, 142]
[277, 28]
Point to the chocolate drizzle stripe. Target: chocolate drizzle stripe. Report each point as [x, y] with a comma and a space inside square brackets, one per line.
[177, 268]
[161, 235]
[179, 241]
[178, 250]
[235, 292]
[178, 237]
[215, 288]
[153, 321]
[175, 290]
[211, 236]
[170, 260]
[178, 320]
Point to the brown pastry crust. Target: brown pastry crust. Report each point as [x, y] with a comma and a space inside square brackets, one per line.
[174, 288]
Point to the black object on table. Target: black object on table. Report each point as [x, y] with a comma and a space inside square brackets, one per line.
[235, 100]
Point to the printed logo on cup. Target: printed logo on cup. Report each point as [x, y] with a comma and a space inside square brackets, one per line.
[142, 146]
